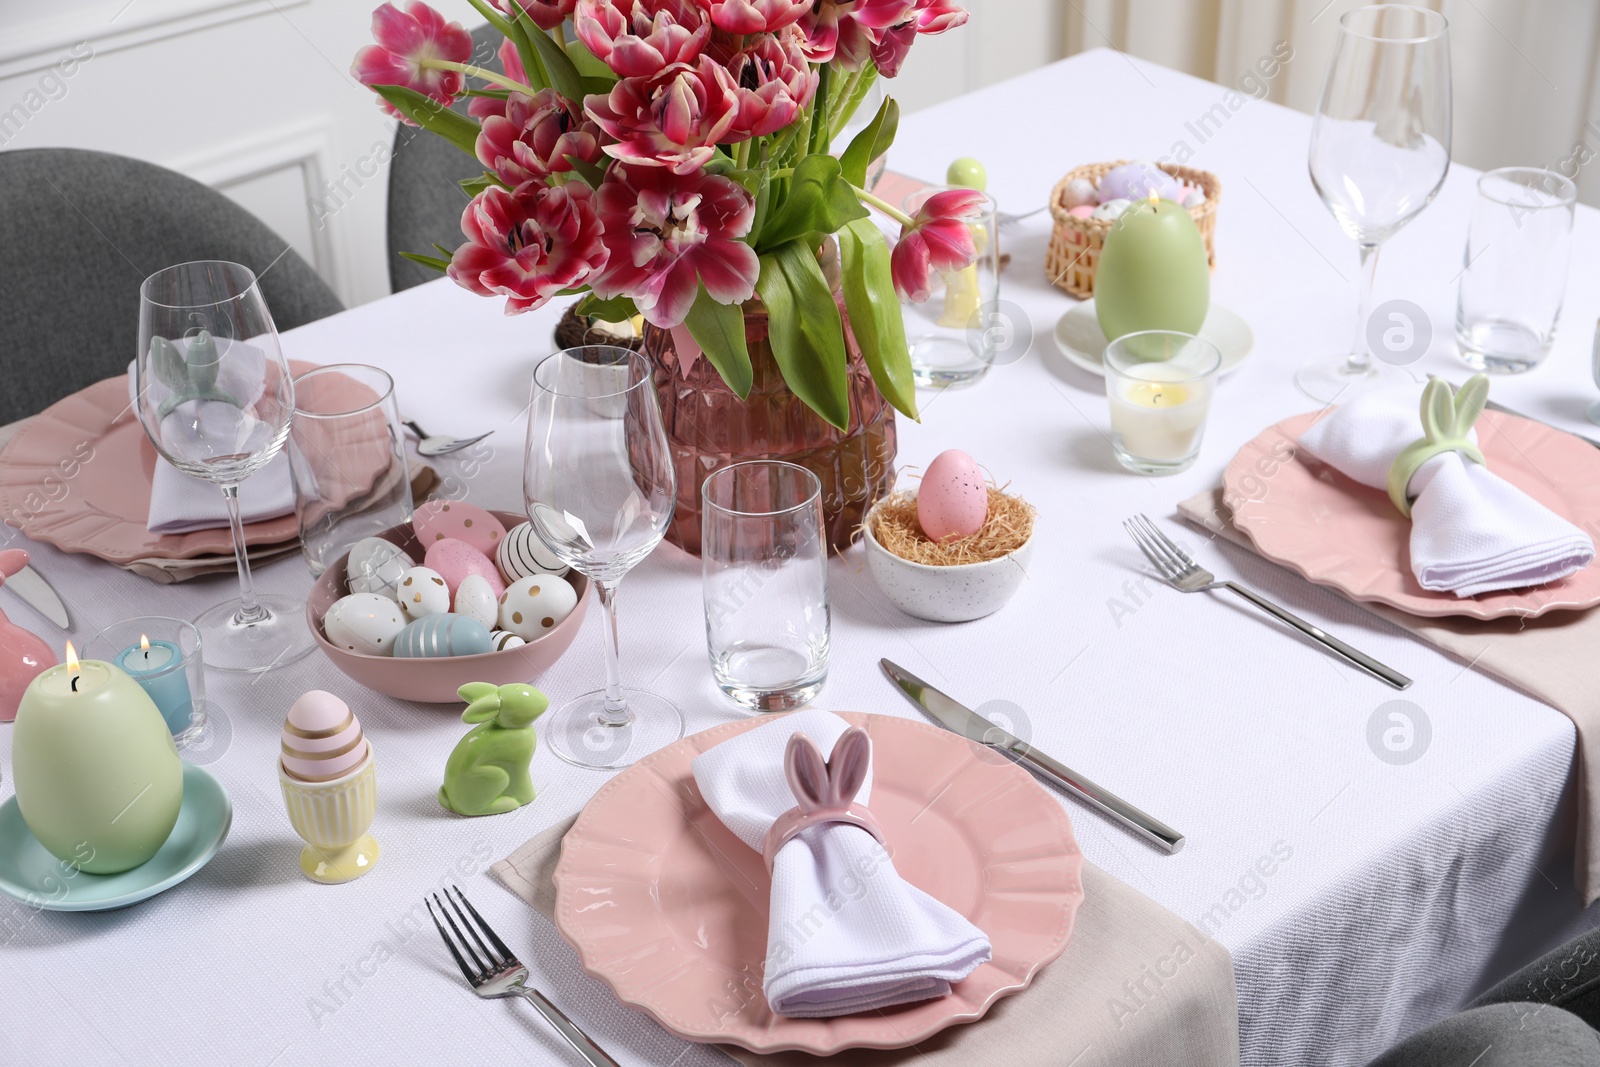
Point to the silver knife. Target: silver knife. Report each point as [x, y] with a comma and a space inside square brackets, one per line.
[30, 585]
[969, 724]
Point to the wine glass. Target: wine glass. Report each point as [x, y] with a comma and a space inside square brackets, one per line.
[599, 488]
[1380, 149]
[215, 397]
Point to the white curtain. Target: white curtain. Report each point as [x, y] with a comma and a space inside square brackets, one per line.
[1525, 71]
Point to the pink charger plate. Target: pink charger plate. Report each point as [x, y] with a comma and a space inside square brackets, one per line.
[77, 476]
[1340, 533]
[669, 909]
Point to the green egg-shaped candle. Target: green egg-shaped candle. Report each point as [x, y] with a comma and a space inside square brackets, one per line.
[98, 778]
[1153, 273]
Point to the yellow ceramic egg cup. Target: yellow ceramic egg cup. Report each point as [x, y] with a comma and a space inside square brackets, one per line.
[332, 818]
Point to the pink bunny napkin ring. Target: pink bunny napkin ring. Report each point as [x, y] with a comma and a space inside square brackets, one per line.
[825, 791]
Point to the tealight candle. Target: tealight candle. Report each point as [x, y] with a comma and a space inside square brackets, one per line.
[97, 775]
[1159, 385]
[158, 668]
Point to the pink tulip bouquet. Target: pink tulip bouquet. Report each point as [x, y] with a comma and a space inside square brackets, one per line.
[670, 158]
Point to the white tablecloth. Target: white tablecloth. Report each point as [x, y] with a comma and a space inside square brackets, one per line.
[1360, 898]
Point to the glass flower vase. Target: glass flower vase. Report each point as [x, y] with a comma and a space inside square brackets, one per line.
[709, 427]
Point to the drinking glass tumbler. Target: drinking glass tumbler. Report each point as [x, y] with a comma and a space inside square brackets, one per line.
[348, 459]
[1515, 274]
[764, 565]
[950, 334]
[164, 656]
[1160, 384]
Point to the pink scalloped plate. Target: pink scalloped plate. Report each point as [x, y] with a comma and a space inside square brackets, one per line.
[77, 476]
[1340, 533]
[669, 909]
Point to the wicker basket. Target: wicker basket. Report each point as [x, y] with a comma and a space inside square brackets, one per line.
[1075, 245]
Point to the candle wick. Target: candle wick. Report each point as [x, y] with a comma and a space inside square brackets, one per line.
[74, 683]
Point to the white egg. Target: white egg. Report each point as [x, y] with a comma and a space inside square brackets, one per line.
[530, 607]
[475, 600]
[522, 552]
[375, 566]
[1079, 191]
[422, 592]
[364, 622]
[1195, 198]
[501, 640]
[1111, 209]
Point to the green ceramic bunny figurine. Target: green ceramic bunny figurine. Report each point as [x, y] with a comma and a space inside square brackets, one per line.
[487, 773]
[1447, 419]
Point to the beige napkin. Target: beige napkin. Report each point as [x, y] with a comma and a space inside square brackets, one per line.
[1136, 986]
[1549, 658]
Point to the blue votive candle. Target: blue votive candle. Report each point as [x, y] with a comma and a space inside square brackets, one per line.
[158, 668]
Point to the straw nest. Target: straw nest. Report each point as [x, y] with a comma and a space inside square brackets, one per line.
[1010, 524]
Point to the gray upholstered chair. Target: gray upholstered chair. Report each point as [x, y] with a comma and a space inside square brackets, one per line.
[425, 201]
[1568, 978]
[80, 231]
[1500, 1035]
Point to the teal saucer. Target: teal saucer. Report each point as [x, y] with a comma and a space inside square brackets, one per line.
[30, 874]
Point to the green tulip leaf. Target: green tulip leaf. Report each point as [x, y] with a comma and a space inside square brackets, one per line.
[871, 143]
[719, 331]
[564, 77]
[805, 331]
[431, 262]
[819, 200]
[875, 317]
[433, 116]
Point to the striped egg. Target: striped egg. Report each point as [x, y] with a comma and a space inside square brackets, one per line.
[522, 553]
[504, 639]
[322, 740]
[442, 635]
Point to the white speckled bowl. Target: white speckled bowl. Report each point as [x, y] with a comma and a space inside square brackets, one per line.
[946, 594]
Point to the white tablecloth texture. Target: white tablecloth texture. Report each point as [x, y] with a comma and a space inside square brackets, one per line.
[1360, 897]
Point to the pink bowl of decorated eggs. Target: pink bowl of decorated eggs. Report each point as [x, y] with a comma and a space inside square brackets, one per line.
[460, 595]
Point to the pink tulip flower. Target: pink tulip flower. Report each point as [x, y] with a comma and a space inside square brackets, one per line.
[844, 31]
[774, 83]
[668, 233]
[757, 16]
[546, 14]
[641, 38]
[931, 16]
[529, 244]
[405, 40]
[938, 239]
[534, 137]
[481, 107]
[674, 120]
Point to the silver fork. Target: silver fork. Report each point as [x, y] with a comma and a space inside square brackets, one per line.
[1181, 572]
[499, 974]
[432, 445]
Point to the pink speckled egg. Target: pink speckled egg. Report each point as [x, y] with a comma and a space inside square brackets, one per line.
[322, 740]
[455, 559]
[1082, 211]
[438, 520]
[953, 500]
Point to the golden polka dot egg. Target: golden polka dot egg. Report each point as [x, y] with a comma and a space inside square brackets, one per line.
[531, 607]
[367, 623]
[422, 592]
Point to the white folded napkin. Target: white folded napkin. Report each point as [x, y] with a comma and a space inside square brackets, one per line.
[180, 504]
[846, 933]
[1471, 531]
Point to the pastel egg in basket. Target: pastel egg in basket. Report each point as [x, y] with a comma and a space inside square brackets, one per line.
[435, 680]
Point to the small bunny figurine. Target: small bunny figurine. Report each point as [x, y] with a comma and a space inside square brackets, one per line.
[22, 653]
[824, 792]
[1447, 418]
[487, 773]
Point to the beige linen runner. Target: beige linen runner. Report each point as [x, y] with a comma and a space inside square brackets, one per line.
[1136, 986]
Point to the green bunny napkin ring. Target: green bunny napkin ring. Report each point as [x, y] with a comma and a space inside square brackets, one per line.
[1447, 419]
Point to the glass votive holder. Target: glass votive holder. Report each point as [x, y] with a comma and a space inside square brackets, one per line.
[949, 334]
[764, 567]
[1160, 384]
[1515, 278]
[163, 655]
[348, 459]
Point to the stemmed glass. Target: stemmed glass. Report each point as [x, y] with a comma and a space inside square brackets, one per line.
[1380, 149]
[215, 396]
[599, 488]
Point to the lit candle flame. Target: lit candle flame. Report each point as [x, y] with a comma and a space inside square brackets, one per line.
[72, 659]
[1154, 199]
[144, 642]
